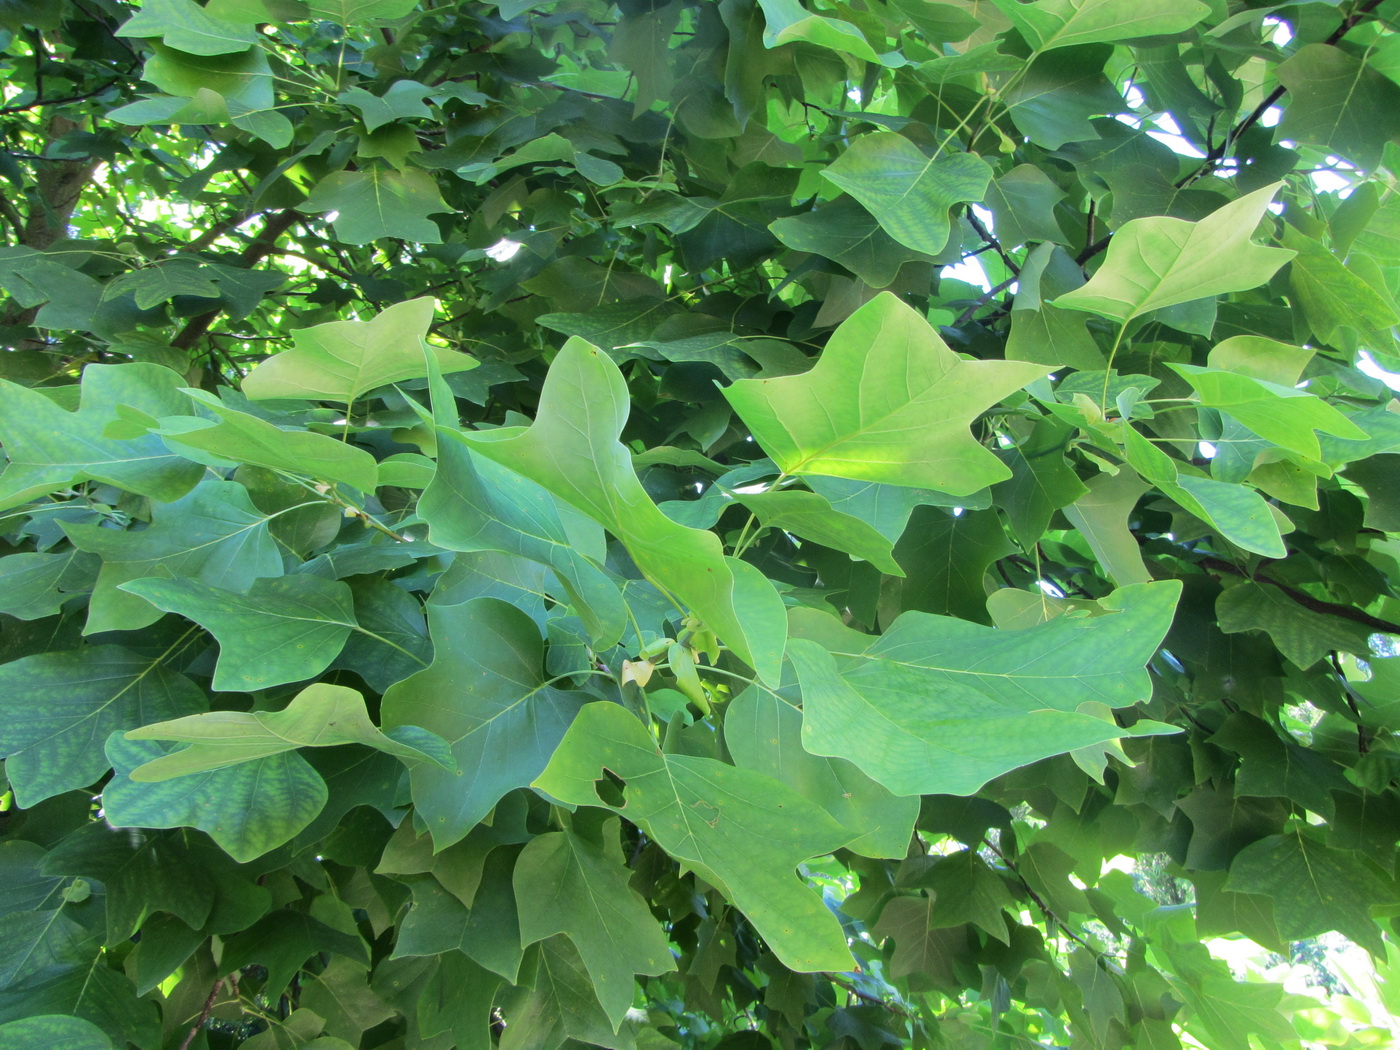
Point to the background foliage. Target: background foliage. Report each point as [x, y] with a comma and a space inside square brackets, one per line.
[706, 524]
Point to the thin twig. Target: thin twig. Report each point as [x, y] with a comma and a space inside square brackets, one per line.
[983, 300]
[988, 237]
[203, 1014]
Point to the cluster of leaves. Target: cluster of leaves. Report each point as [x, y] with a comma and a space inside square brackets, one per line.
[523, 525]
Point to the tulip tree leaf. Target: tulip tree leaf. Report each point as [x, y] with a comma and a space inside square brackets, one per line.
[846, 233]
[788, 20]
[764, 733]
[476, 504]
[1159, 261]
[1064, 23]
[344, 360]
[1301, 634]
[53, 1032]
[214, 535]
[52, 965]
[1339, 102]
[954, 704]
[887, 402]
[907, 191]
[59, 708]
[572, 449]
[186, 26]
[1238, 513]
[248, 809]
[1314, 888]
[239, 437]
[1281, 414]
[576, 884]
[33, 586]
[142, 872]
[738, 829]
[1330, 295]
[555, 1005]
[380, 202]
[285, 629]
[48, 448]
[486, 694]
[811, 516]
[320, 715]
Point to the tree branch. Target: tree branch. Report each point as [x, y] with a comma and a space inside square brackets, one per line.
[203, 1014]
[1307, 601]
[262, 246]
[1217, 152]
[991, 240]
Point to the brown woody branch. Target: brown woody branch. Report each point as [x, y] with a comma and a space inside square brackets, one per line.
[263, 245]
[1218, 151]
[1307, 601]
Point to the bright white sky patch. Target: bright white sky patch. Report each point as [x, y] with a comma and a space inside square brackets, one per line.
[504, 250]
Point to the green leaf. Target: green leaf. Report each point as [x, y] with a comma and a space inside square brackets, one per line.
[940, 706]
[320, 715]
[59, 708]
[281, 630]
[53, 1032]
[341, 994]
[739, 830]
[248, 809]
[945, 558]
[52, 965]
[1051, 24]
[964, 889]
[1056, 98]
[402, 101]
[764, 733]
[33, 586]
[1302, 635]
[153, 285]
[214, 535]
[184, 25]
[380, 202]
[1160, 261]
[142, 872]
[49, 448]
[556, 1004]
[1023, 202]
[1041, 482]
[907, 191]
[1237, 513]
[344, 360]
[486, 694]
[1281, 414]
[239, 81]
[1101, 516]
[1314, 888]
[574, 882]
[354, 13]
[1339, 103]
[239, 437]
[811, 516]
[476, 504]
[921, 950]
[283, 942]
[789, 21]
[846, 233]
[393, 640]
[573, 451]
[488, 932]
[887, 402]
[1330, 295]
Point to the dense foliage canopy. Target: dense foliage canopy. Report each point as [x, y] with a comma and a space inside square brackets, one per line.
[676, 523]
